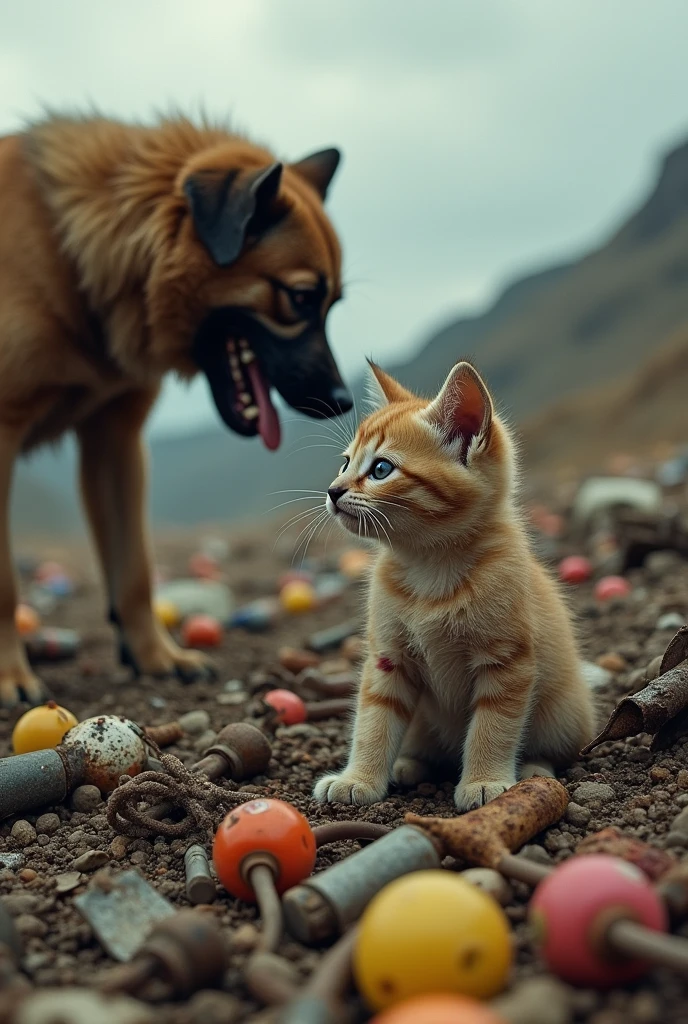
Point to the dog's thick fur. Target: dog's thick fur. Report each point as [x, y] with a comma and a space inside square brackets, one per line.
[108, 270]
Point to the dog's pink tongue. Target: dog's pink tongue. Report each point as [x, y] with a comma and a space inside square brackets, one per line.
[268, 420]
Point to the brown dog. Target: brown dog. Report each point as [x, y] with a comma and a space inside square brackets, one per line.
[126, 252]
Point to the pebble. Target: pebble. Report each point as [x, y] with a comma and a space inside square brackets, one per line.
[295, 660]
[208, 1007]
[578, 815]
[47, 824]
[30, 927]
[82, 1006]
[86, 798]
[594, 675]
[67, 881]
[592, 794]
[678, 830]
[682, 779]
[491, 882]
[194, 723]
[229, 700]
[244, 939]
[659, 774]
[28, 875]
[138, 857]
[119, 846]
[23, 833]
[204, 741]
[612, 662]
[16, 903]
[536, 1001]
[90, 861]
[640, 755]
[670, 620]
[535, 853]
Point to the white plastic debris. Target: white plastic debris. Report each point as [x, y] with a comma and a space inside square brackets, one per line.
[600, 494]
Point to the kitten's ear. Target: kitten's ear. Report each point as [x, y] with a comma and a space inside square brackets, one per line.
[463, 409]
[383, 389]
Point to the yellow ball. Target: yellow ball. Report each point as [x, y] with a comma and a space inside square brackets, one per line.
[431, 932]
[41, 728]
[297, 597]
[167, 613]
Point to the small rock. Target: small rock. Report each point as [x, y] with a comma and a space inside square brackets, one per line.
[204, 741]
[577, 815]
[678, 831]
[490, 882]
[593, 794]
[67, 881]
[157, 702]
[244, 939]
[86, 798]
[682, 779]
[295, 660]
[301, 731]
[90, 861]
[30, 927]
[612, 662]
[535, 853]
[194, 723]
[233, 686]
[208, 1007]
[652, 670]
[659, 774]
[229, 700]
[47, 824]
[119, 846]
[539, 1000]
[16, 903]
[138, 857]
[82, 1006]
[28, 875]
[11, 861]
[640, 755]
[594, 675]
[23, 833]
[671, 620]
[645, 1008]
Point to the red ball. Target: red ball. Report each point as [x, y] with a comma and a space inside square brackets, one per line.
[289, 706]
[270, 827]
[610, 587]
[202, 631]
[566, 906]
[575, 569]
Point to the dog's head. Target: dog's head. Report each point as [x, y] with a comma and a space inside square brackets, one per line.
[270, 273]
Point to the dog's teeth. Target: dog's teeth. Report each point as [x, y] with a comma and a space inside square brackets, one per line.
[245, 397]
[236, 375]
[251, 413]
[247, 356]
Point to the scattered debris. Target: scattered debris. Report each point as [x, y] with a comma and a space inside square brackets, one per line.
[121, 914]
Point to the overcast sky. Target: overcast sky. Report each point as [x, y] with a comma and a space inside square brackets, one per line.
[481, 138]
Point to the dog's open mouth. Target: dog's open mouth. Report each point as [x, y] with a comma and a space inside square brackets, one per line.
[243, 359]
[253, 403]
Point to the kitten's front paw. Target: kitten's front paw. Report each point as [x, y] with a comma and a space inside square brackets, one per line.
[347, 789]
[469, 795]
[409, 771]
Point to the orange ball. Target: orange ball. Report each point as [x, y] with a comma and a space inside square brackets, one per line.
[270, 827]
[439, 1009]
[202, 631]
[26, 619]
[42, 728]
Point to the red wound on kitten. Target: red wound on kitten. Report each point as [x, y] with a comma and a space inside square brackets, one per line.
[385, 664]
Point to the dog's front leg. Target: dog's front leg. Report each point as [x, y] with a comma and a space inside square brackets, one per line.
[113, 484]
[16, 678]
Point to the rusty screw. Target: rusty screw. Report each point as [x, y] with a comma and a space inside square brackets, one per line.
[200, 884]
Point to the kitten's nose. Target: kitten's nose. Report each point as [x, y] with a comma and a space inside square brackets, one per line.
[335, 493]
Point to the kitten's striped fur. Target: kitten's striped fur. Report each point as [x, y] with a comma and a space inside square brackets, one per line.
[471, 652]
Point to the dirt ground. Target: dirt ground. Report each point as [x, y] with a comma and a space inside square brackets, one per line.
[59, 949]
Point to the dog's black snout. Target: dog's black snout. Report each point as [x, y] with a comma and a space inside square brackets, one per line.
[335, 493]
[341, 400]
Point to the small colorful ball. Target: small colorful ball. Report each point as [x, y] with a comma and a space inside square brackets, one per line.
[167, 613]
[272, 827]
[203, 567]
[611, 587]
[298, 597]
[114, 746]
[202, 631]
[289, 706]
[354, 563]
[575, 569]
[439, 1009]
[42, 728]
[293, 576]
[431, 932]
[26, 619]
[568, 911]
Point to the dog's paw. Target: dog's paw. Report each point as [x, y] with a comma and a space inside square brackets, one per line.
[164, 659]
[409, 771]
[469, 795]
[20, 684]
[347, 788]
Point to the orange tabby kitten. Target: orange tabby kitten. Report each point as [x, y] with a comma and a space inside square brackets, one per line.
[471, 653]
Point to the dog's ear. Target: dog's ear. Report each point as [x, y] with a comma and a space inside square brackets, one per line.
[226, 206]
[319, 169]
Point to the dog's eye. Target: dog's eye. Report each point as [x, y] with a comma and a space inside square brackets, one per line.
[381, 468]
[345, 465]
[305, 301]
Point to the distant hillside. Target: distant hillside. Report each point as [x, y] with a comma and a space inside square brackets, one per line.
[548, 336]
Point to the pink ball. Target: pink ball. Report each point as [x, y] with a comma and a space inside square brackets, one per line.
[289, 706]
[575, 569]
[610, 587]
[566, 906]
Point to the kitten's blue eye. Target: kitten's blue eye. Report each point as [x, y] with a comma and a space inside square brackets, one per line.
[381, 469]
[345, 466]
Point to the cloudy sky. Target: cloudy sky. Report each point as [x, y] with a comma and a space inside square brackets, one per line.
[482, 138]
